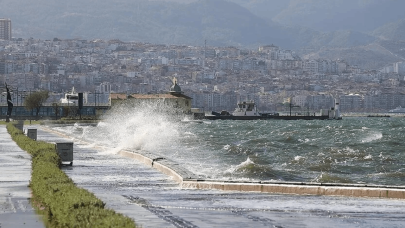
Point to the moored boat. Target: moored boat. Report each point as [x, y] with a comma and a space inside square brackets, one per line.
[71, 97]
[398, 109]
[247, 110]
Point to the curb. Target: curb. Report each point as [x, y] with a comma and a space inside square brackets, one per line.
[188, 180]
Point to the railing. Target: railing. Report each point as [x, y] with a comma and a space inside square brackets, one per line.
[48, 111]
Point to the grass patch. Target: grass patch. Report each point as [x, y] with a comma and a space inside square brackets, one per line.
[68, 121]
[56, 196]
[26, 122]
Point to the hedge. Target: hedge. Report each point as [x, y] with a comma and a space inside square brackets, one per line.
[63, 203]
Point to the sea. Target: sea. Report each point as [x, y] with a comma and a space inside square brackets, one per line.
[358, 150]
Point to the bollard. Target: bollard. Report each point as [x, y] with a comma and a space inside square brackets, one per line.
[20, 125]
[65, 151]
[32, 134]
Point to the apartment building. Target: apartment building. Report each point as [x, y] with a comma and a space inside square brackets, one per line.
[351, 103]
[5, 29]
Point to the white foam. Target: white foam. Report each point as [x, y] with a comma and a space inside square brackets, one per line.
[372, 137]
[368, 157]
[298, 158]
[146, 128]
[92, 145]
[243, 164]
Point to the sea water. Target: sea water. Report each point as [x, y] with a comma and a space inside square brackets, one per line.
[351, 150]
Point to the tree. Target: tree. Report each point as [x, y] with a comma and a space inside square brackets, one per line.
[35, 100]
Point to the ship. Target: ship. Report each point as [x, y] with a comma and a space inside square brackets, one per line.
[71, 97]
[247, 110]
[398, 109]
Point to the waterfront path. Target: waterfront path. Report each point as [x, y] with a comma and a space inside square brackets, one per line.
[153, 199]
[15, 174]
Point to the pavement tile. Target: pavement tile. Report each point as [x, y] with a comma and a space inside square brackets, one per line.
[15, 174]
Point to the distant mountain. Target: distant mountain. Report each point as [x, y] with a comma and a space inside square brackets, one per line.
[332, 15]
[391, 31]
[221, 22]
[372, 56]
[266, 9]
[321, 26]
[342, 39]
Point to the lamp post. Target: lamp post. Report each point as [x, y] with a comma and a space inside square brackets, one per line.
[1, 97]
[95, 101]
[16, 97]
[28, 94]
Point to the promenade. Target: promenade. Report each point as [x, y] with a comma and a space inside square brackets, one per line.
[15, 195]
[154, 199]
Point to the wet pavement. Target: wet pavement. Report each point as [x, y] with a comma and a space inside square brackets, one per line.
[153, 199]
[15, 174]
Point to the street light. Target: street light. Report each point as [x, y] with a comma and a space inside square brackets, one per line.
[15, 96]
[27, 94]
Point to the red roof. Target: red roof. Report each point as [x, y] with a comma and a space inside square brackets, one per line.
[116, 96]
[123, 96]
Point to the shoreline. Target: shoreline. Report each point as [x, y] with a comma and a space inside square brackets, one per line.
[187, 179]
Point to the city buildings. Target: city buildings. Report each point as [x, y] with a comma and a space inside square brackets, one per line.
[216, 78]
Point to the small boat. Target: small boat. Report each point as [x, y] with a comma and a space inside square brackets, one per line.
[378, 116]
[398, 109]
[71, 97]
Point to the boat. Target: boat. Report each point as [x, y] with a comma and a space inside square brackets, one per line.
[379, 116]
[398, 109]
[71, 97]
[247, 110]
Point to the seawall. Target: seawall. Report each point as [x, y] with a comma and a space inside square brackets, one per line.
[188, 180]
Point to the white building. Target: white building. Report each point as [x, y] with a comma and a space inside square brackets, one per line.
[311, 66]
[351, 102]
[300, 100]
[399, 68]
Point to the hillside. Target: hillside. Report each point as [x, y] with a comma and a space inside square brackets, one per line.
[333, 26]
[221, 22]
[372, 56]
[332, 15]
[391, 31]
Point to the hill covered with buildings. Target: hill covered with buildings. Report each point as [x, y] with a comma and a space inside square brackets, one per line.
[215, 77]
[311, 27]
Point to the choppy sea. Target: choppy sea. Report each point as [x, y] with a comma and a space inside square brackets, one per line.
[351, 150]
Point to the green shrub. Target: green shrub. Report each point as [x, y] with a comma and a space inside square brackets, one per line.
[64, 203]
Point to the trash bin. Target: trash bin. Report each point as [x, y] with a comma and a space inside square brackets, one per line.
[65, 151]
[32, 134]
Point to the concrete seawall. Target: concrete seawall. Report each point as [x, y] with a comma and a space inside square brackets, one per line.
[188, 180]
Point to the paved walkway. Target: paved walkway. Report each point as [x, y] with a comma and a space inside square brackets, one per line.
[153, 199]
[15, 174]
